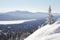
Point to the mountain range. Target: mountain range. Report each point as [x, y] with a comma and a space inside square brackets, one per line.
[22, 15]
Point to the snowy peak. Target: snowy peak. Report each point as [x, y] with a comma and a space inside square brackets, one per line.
[48, 32]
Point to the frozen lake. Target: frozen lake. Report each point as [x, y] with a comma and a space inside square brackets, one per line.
[15, 21]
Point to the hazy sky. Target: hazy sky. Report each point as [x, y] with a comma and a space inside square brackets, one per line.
[29, 5]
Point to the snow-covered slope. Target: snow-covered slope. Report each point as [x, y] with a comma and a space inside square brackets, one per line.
[48, 32]
[14, 22]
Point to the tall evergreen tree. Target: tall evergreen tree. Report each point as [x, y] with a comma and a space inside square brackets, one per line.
[50, 16]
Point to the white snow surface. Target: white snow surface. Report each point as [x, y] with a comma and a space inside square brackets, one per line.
[14, 22]
[48, 32]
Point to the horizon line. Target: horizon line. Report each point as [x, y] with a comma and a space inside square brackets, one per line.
[27, 11]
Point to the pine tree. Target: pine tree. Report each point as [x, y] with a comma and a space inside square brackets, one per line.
[49, 19]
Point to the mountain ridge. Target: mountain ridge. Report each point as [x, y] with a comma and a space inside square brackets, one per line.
[23, 15]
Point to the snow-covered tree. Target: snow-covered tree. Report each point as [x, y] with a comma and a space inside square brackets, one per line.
[49, 19]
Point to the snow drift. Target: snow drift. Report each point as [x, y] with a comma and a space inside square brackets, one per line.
[48, 32]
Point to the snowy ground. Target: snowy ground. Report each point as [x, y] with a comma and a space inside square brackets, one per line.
[15, 22]
[48, 32]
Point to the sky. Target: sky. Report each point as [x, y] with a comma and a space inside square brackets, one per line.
[30, 5]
